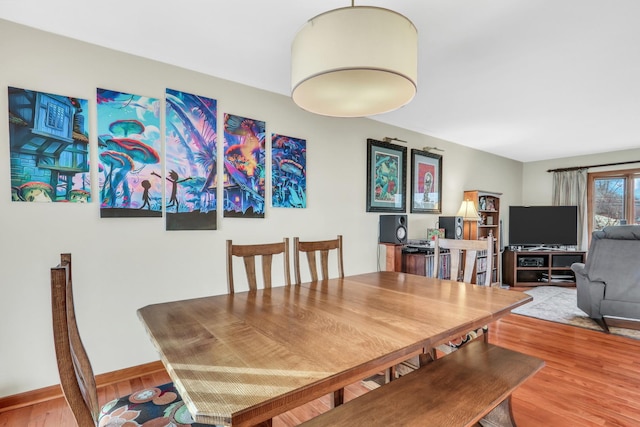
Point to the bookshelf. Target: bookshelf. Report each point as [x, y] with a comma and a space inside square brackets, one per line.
[488, 206]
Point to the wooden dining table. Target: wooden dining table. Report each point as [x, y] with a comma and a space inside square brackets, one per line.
[244, 358]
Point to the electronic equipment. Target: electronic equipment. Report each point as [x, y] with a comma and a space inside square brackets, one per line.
[417, 246]
[453, 226]
[393, 229]
[543, 226]
[531, 261]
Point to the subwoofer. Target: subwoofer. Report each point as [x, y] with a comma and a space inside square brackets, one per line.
[453, 226]
[393, 229]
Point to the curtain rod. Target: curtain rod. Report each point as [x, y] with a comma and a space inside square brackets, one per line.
[592, 166]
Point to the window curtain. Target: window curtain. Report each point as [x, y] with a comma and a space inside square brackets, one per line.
[569, 189]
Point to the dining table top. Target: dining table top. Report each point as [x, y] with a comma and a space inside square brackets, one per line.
[240, 359]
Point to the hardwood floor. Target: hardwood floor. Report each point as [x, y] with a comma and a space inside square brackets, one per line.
[590, 379]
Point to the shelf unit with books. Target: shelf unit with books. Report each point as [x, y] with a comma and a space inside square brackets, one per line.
[423, 264]
[487, 204]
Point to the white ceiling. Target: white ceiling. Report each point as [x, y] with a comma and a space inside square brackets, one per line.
[524, 79]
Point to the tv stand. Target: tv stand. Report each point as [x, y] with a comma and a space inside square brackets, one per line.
[540, 267]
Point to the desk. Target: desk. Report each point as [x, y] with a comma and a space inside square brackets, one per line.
[242, 359]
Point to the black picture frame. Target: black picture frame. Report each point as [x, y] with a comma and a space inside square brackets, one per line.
[386, 177]
[426, 170]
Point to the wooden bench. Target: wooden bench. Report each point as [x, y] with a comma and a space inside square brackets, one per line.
[456, 390]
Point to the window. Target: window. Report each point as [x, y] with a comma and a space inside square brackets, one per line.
[55, 116]
[613, 198]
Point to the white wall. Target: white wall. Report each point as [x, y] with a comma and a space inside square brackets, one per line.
[537, 182]
[121, 265]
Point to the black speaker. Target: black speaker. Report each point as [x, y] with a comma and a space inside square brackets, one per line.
[453, 226]
[393, 229]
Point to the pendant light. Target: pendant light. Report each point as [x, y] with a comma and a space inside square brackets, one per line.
[355, 61]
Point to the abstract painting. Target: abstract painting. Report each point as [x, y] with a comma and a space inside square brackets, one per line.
[288, 172]
[190, 158]
[48, 147]
[130, 179]
[244, 167]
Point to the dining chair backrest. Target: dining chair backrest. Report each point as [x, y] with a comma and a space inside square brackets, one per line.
[469, 249]
[76, 375]
[311, 249]
[249, 254]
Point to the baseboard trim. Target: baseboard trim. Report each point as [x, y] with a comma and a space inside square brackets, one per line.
[32, 397]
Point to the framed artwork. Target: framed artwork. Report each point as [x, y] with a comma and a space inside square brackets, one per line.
[191, 138]
[129, 143]
[288, 172]
[386, 177]
[49, 147]
[244, 167]
[426, 182]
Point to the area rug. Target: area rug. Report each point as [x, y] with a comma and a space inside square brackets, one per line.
[560, 304]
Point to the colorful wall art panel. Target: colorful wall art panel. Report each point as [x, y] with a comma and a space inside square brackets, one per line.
[130, 179]
[288, 172]
[190, 158]
[48, 147]
[244, 167]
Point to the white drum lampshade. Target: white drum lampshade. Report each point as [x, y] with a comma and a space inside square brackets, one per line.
[354, 62]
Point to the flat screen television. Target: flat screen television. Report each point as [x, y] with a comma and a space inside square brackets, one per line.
[543, 226]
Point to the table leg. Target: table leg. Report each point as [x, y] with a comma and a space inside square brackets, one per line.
[337, 398]
[500, 416]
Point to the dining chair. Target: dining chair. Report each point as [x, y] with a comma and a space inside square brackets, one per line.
[161, 405]
[312, 249]
[467, 251]
[249, 254]
[463, 259]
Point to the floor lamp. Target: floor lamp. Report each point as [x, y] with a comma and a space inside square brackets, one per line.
[469, 213]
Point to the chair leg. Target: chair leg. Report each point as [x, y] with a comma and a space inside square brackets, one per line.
[390, 374]
[337, 398]
[603, 324]
[427, 357]
[485, 333]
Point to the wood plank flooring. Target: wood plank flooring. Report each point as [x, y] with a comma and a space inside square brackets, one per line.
[590, 379]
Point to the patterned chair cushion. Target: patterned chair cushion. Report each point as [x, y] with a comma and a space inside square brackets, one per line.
[151, 407]
[455, 344]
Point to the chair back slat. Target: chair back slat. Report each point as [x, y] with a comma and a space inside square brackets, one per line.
[324, 262]
[249, 254]
[76, 375]
[470, 248]
[310, 248]
[250, 271]
[266, 270]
